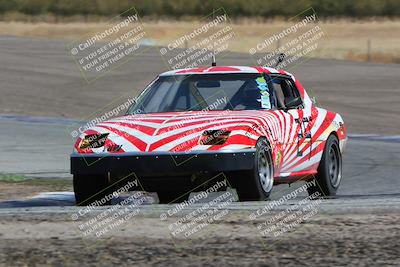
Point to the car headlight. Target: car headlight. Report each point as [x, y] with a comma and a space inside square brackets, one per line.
[93, 141]
[214, 137]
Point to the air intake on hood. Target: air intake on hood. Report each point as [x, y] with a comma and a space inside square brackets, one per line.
[93, 141]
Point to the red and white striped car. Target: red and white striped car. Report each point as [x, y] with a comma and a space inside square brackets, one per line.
[256, 125]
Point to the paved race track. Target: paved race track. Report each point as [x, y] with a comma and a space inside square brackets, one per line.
[41, 146]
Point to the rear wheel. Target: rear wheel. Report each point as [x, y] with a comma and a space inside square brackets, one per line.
[257, 183]
[92, 189]
[329, 171]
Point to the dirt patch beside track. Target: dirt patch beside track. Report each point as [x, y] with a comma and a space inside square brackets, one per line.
[326, 239]
[31, 187]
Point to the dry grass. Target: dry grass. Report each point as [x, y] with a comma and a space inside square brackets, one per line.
[344, 39]
[13, 186]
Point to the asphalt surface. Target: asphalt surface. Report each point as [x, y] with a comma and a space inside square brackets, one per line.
[41, 146]
[39, 77]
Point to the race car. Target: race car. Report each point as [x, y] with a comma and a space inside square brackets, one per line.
[254, 126]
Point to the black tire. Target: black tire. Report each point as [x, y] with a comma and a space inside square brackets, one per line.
[166, 197]
[251, 187]
[329, 171]
[91, 189]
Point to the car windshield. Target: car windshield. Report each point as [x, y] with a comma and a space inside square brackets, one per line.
[204, 92]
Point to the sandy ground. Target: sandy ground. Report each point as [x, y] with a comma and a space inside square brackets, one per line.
[325, 239]
[14, 190]
[344, 39]
[32, 187]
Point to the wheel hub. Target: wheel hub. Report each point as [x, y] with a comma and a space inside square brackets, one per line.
[265, 171]
[334, 166]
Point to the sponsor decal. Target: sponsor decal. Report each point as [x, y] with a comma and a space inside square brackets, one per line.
[265, 99]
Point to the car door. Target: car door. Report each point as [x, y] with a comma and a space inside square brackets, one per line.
[296, 122]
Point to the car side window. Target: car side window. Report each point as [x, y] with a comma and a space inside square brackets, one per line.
[286, 93]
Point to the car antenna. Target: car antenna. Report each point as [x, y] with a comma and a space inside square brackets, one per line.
[281, 57]
[213, 63]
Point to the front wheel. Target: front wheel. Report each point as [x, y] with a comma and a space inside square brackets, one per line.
[257, 183]
[329, 171]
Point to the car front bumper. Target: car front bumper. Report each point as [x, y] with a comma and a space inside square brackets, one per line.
[149, 163]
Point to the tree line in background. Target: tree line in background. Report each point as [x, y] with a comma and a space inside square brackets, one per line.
[199, 8]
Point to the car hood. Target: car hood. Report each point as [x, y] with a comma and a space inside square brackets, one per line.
[173, 131]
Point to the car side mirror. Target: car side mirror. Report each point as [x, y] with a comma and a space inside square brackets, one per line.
[313, 100]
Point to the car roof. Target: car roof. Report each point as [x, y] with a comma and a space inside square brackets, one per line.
[224, 69]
